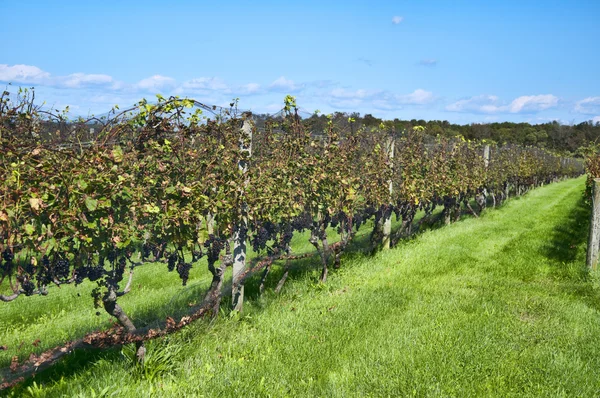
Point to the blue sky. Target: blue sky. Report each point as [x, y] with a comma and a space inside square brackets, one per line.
[462, 61]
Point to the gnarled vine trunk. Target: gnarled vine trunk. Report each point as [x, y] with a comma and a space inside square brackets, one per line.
[113, 308]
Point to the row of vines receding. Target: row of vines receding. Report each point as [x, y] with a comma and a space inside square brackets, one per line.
[164, 182]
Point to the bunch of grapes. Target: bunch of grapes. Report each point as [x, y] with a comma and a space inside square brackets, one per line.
[172, 261]
[120, 269]
[448, 201]
[183, 269]
[44, 276]
[96, 272]
[6, 266]
[29, 268]
[61, 269]
[358, 220]
[149, 249]
[146, 251]
[326, 219]
[302, 222]
[7, 255]
[26, 284]
[80, 274]
[197, 255]
[287, 233]
[214, 244]
[337, 219]
[260, 238]
[115, 276]
[271, 228]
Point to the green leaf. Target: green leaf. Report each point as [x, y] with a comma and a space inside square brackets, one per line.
[153, 209]
[91, 204]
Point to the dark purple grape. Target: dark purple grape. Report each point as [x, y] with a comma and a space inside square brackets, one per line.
[173, 258]
[183, 269]
[8, 255]
[61, 269]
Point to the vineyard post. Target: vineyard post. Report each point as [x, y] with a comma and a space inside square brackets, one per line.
[481, 197]
[239, 237]
[387, 224]
[486, 156]
[594, 238]
[210, 223]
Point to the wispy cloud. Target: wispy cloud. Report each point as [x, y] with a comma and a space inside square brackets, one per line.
[26, 74]
[29, 74]
[533, 103]
[77, 80]
[379, 99]
[342, 93]
[492, 104]
[203, 85]
[250, 88]
[588, 106]
[397, 19]
[156, 83]
[282, 84]
[428, 62]
[417, 97]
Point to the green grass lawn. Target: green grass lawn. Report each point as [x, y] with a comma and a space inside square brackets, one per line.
[496, 306]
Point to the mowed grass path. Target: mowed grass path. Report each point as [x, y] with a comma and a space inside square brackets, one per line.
[496, 306]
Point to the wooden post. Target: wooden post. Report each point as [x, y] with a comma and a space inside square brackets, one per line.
[210, 223]
[387, 223]
[486, 156]
[594, 238]
[239, 236]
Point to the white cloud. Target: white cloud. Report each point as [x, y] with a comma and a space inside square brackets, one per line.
[250, 88]
[596, 119]
[77, 80]
[29, 74]
[357, 94]
[283, 84]
[205, 84]
[397, 19]
[417, 97]
[477, 104]
[216, 86]
[379, 99]
[343, 103]
[588, 106]
[156, 83]
[533, 103]
[26, 74]
[491, 104]
[209, 88]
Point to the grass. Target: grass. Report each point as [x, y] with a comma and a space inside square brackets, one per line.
[496, 306]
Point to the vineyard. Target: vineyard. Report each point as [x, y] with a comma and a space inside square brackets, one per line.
[183, 184]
